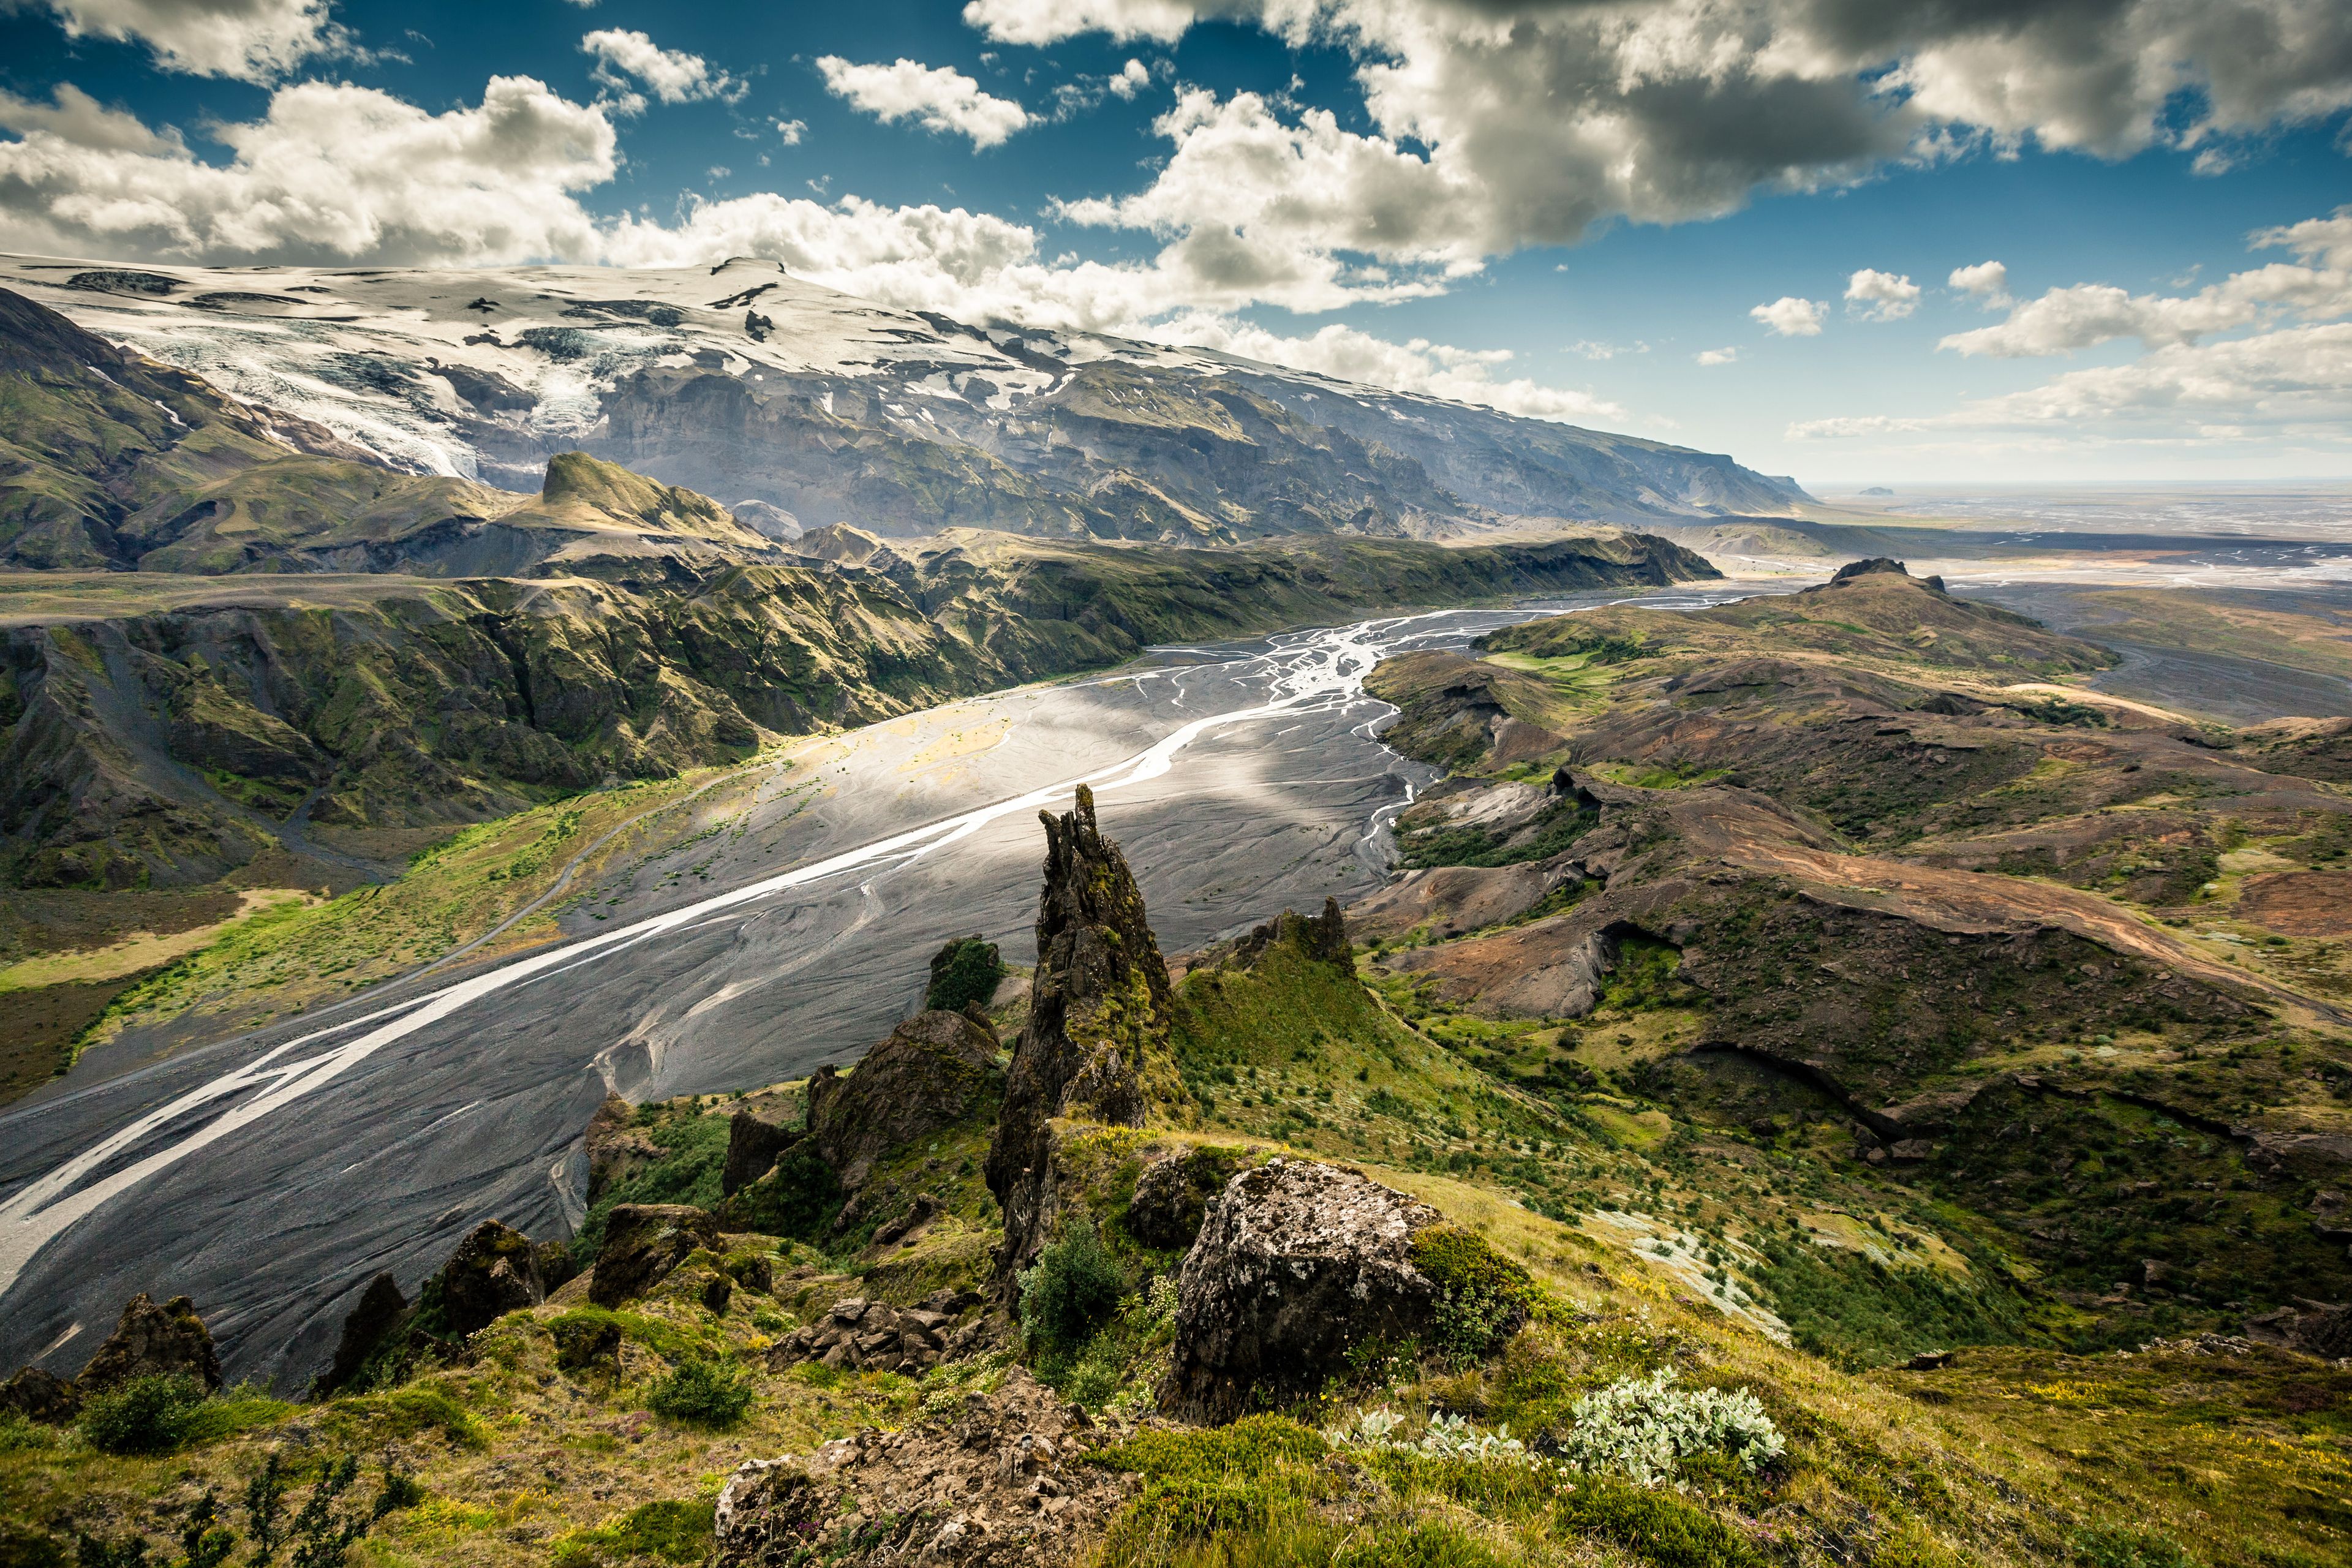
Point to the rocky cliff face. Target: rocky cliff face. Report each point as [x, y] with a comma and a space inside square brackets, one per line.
[1096, 1046]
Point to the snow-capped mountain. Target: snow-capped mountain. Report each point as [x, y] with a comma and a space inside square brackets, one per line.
[801, 407]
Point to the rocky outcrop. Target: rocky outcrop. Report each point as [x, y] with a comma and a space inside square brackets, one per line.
[38, 1395]
[753, 1144]
[493, 1272]
[1000, 1484]
[168, 1340]
[1096, 1044]
[1296, 1261]
[2322, 1329]
[936, 1072]
[874, 1336]
[381, 1309]
[644, 1245]
[1322, 938]
[617, 1149]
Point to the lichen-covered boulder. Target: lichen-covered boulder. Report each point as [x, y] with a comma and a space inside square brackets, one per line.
[494, 1271]
[1296, 1262]
[643, 1243]
[168, 1340]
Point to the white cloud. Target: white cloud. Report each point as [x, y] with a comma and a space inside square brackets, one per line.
[252, 40]
[2318, 286]
[1589, 349]
[1790, 317]
[1498, 124]
[331, 172]
[2289, 379]
[73, 117]
[1987, 282]
[1050, 21]
[1257, 208]
[940, 98]
[1716, 356]
[1132, 78]
[791, 130]
[624, 58]
[1880, 296]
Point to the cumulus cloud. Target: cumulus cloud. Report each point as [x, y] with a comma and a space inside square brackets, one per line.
[1051, 21]
[1132, 78]
[1987, 282]
[1790, 317]
[937, 97]
[1500, 124]
[628, 59]
[1877, 296]
[2318, 286]
[331, 172]
[1716, 356]
[252, 40]
[2289, 377]
[791, 130]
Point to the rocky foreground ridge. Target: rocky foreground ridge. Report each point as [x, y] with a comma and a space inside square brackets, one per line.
[1273, 1254]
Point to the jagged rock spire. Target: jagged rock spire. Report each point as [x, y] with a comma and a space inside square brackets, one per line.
[1096, 1046]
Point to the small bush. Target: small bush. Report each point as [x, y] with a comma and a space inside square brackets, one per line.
[1426, 1543]
[965, 972]
[702, 1393]
[1070, 1291]
[1483, 1297]
[145, 1415]
[1642, 1427]
[19, 1435]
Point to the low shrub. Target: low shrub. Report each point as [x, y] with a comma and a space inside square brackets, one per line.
[702, 1393]
[965, 972]
[1070, 1291]
[146, 1416]
[1483, 1298]
[1642, 1427]
[797, 1199]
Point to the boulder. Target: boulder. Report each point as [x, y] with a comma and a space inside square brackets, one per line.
[1172, 1196]
[493, 1272]
[37, 1396]
[644, 1243]
[936, 1072]
[753, 1144]
[168, 1340]
[1296, 1262]
[380, 1311]
[1096, 1043]
[1000, 1483]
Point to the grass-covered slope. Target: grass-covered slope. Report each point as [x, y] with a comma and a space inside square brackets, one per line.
[1853, 877]
[1658, 1268]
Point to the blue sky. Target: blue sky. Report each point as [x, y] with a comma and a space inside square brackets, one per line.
[1645, 215]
